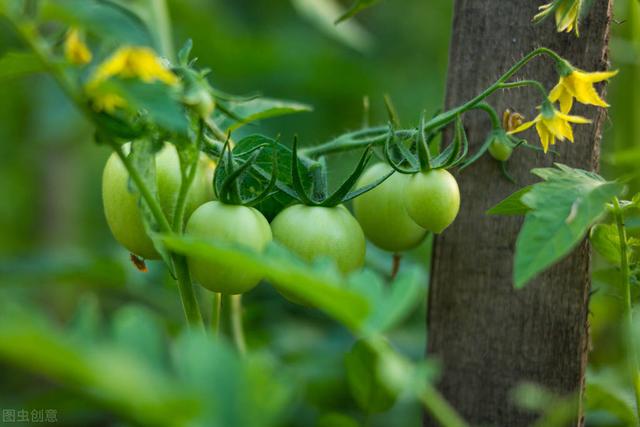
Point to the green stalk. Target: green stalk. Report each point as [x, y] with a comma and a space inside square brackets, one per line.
[183, 277]
[216, 310]
[185, 186]
[237, 330]
[343, 143]
[491, 112]
[634, 367]
[522, 83]
[440, 409]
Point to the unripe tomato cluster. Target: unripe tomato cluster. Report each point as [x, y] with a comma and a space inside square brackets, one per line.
[121, 205]
[395, 216]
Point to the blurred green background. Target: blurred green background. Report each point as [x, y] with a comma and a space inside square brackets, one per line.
[55, 248]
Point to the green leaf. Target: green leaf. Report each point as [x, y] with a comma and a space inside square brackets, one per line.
[563, 208]
[323, 14]
[602, 396]
[157, 100]
[356, 8]
[390, 304]
[232, 389]
[258, 109]
[103, 18]
[512, 205]
[365, 382]
[322, 288]
[138, 331]
[606, 241]
[105, 374]
[18, 64]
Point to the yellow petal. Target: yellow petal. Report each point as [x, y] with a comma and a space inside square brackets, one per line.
[586, 94]
[573, 119]
[595, 77]
[524, 126]
[544, 136]
[557, 91]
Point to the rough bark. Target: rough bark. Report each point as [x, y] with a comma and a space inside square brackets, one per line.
[489, 336]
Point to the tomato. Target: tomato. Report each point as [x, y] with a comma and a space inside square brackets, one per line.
[500, 150]
[314, 232]
[432, 199]
[121, 206]
[382, 214]
[227, 223]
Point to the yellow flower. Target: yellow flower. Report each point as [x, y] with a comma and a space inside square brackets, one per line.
[579, 85]
[107, 102]
[134, 62]
[551, 124]
[567, 13]
[75, 50]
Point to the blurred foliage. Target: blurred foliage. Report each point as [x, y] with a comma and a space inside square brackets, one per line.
[99, 346]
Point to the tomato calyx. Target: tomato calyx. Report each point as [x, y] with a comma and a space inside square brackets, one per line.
[228, 189]
[318, 170]
[423, 160]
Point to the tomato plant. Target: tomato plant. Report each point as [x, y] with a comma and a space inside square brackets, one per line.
[275, 214]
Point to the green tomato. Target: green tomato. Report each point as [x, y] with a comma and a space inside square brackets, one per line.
[314, 232]
[382, 214]
[500, 150]
[233, 224]
[432, 199]
[121, 205]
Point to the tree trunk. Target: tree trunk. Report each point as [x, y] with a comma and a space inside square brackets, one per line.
[489, 336]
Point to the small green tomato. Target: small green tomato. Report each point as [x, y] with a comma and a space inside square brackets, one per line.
[382, 214]
[314, 232]
[121, 205]
[432, 199]
[233, 224]
[500, 150]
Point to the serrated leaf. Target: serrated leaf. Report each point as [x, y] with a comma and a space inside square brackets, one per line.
[19, 64]
[258, 109]
[563, 208]
[512, 205]
[321, 288]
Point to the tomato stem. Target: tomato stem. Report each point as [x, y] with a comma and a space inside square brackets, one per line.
[237, 329]
[216, 310]
[395, 265]
[189, 302]
[378, 135]
[185, 185]
[634, 367]
[439, 408]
